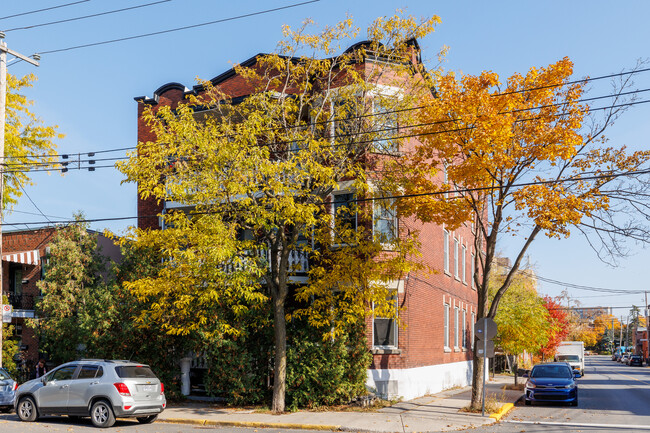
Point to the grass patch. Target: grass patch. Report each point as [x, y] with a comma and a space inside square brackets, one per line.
[492, 404]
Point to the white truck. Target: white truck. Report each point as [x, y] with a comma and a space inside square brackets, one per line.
[572, 352]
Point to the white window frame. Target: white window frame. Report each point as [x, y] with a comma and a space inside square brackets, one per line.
[395, 293]
[464, 329]
[446, 327]
[333, 208]
[456, 267]
[377, 216]
[378, 124]
[456, 325]
[472, 330]
[445, 240]
[464, 263]
[445, 178]
[472, 258]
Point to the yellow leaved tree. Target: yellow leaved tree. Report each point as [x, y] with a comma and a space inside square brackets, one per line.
[522, 158]
[273, 190]
[28, 143]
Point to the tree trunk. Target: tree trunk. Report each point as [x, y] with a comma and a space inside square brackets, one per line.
[516, 367]
[280, 365]
[477, 380]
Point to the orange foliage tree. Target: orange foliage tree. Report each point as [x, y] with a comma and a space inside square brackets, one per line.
[518, 159]
[559, 319]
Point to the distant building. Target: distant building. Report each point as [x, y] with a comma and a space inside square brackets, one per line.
[590, 313]
[24, 254]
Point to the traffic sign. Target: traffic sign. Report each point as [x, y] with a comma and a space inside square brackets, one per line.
[6, 313]
[489, 349]
[485, 328]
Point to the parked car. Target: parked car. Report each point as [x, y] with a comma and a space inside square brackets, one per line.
[100, 389]
[8, 388]
[635, 360]
[624, 358]
[552, 382]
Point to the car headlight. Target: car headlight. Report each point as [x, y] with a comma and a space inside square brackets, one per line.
[573, 385]
[530, 385]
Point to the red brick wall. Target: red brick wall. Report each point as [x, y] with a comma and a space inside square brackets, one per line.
[420, 337]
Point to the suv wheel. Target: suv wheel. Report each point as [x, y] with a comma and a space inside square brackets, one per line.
[101, 414]
[147, 419]
[26, 409]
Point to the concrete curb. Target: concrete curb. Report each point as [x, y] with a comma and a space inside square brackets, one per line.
[502, 411]
[254, 424]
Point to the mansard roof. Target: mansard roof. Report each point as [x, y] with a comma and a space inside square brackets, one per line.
[224, 76]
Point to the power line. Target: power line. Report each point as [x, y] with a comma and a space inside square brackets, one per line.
[579, 286]
[179, 28]
[32, 201]
[86, 16]
[42, 10]
[383, 113]
[33, 213]
[404, 196]
[374, 139]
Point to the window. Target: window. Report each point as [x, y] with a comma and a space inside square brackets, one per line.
[456, 270]
[445, 246]
[446, 330]
[472, 323]
[385, 121]
[445, 179]
[464, 328]
[344, 125]
[16, 279]
[88, 371]
[132, 372]
[472, 272]
[344, 210]
[64, 373]
[456, 327]
[384, 329]
[463, 262]
[385, 221]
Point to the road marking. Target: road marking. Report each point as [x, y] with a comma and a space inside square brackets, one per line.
[580, 424]
[631, 377]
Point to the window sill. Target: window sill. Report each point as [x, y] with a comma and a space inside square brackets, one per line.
[385, 351]
[456, 349]
[447, 349]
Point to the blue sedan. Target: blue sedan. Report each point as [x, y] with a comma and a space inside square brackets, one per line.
[553, 382]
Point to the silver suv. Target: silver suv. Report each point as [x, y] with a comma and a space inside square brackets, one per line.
[100, 389]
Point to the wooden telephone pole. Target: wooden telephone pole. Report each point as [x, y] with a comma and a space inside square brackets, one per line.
[3, 104]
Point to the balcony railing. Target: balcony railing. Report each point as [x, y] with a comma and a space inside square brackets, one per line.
[298, 261]
[21, 301]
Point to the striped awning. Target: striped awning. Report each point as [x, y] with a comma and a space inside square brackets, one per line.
[32, 257]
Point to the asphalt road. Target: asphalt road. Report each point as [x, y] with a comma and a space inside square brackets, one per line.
[612, 398]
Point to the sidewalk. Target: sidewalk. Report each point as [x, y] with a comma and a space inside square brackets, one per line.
[439, 412]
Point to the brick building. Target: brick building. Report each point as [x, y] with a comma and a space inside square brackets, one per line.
[431, 350]
[24, 253]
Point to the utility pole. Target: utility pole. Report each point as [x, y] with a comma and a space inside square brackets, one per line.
[612, 342]
[647, 332]
[620, 336]
[3, 104]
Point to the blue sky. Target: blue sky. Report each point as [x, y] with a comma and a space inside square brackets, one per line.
[89, 92]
